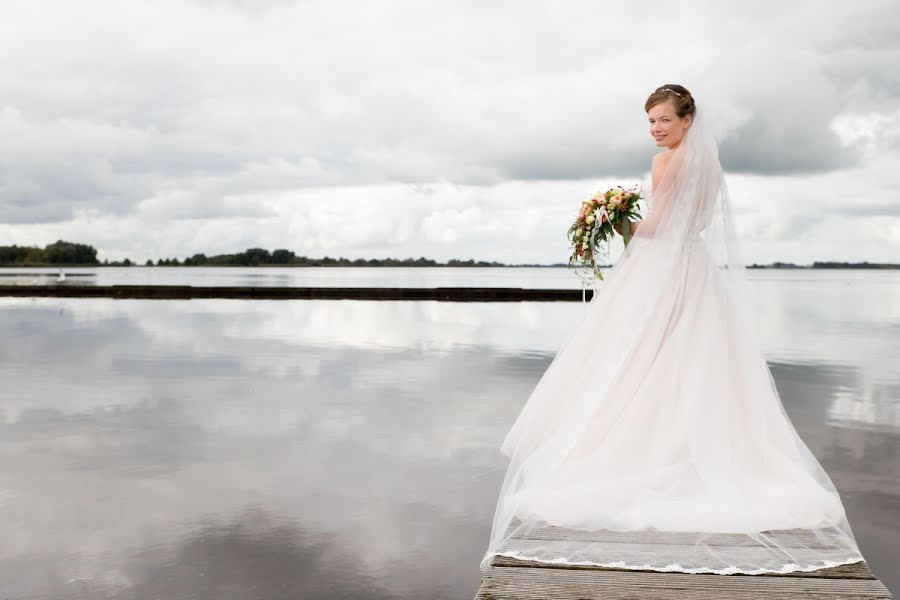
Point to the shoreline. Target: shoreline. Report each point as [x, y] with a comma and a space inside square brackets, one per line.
[188, 292]
[819, 266]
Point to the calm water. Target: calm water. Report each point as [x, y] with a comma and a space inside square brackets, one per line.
[345, 449]
[539, 277]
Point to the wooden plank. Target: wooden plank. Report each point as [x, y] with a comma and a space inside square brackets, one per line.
[186, 292]
[857, 570]
[511, 578]
[523, 583]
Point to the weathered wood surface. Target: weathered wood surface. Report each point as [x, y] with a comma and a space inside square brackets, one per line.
[527, 583]
[510, 578]
[859, 570]
[186, 292]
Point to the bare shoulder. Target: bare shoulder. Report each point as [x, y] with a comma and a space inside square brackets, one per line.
[658, 166]
[662, 159]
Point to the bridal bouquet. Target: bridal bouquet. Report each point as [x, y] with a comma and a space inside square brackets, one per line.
[596, 224]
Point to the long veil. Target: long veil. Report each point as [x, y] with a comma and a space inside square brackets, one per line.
[656, 438]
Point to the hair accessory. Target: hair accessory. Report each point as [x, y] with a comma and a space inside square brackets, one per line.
[673, 91]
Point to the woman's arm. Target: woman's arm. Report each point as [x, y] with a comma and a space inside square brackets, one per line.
[657, 168]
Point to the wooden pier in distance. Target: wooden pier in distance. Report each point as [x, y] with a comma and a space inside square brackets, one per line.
[510, 578]
[188, 292]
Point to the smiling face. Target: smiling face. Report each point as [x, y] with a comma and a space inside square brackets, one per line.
[666, 127]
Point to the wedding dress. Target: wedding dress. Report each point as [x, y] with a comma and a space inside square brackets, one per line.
[656, 438]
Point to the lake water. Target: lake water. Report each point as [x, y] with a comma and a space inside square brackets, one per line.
[539, 277]
[236, 449]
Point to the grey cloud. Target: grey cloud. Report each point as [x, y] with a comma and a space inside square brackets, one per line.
[575, 162]
[48, 193]
[172, 111]
[861, 26]
[871, 209]
[877, 69]
[767, 145]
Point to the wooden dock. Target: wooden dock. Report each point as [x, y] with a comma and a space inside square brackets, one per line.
[188, 292]
[509, 578]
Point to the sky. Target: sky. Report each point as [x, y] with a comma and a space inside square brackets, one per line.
[444, 129]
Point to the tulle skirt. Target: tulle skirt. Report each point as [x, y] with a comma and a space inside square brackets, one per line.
[686, 442]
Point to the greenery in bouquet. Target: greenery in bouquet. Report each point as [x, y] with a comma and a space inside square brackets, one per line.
[595, 227]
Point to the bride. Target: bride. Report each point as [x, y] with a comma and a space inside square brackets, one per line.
[656, 439]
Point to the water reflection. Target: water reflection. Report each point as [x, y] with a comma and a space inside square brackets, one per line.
[253, 555]
[540, 277]
[232, 449]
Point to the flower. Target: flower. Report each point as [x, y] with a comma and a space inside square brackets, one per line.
[586, 235]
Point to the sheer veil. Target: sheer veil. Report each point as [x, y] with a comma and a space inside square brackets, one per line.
[656, 438]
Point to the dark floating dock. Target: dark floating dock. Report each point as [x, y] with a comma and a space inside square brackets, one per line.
[187, 292]
[510, 578]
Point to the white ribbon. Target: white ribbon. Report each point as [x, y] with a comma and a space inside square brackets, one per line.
[598, 216]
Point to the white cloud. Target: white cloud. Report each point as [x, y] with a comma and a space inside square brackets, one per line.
[444, 129]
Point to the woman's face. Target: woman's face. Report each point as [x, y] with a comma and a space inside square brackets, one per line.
[666, 127]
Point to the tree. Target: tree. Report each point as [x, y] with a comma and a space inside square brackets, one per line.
[257, 256]
[61, 252]
[21, 254]
[195, 260]
[282, 256]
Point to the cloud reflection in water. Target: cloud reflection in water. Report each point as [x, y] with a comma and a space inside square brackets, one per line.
[231, 448]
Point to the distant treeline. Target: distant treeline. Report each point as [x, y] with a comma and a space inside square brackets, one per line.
[253, 257]
[68, 253]
[827, 265]
[861, 265]
[57, 253]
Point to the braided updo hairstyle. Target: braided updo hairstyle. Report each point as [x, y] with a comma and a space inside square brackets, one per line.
[678, 94]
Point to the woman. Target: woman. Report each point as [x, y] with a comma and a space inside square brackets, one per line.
[659, 417]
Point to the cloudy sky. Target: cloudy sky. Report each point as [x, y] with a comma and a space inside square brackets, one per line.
[446, 129]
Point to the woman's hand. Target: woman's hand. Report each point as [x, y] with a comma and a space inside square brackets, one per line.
[632, 227]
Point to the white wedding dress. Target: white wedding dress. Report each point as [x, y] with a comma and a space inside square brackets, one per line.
[659, 417]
